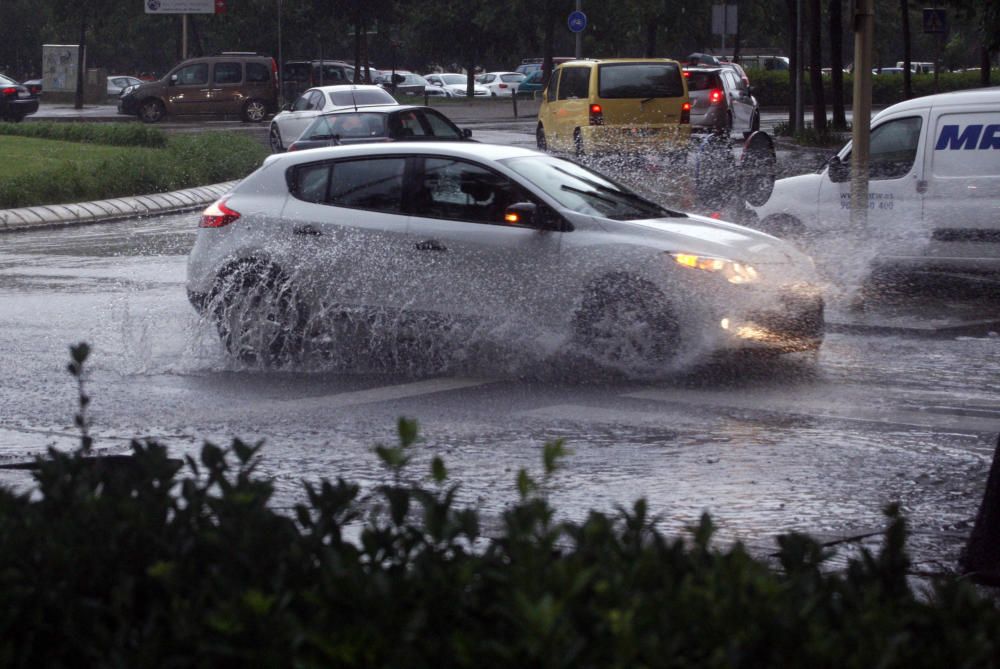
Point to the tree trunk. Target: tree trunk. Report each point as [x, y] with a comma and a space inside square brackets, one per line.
[357, 51]
[837, 64]
[548, 46]
[736, 37]
[816, 65]
[651, 27]
[81, 65]
[904, 15]
[793, 62]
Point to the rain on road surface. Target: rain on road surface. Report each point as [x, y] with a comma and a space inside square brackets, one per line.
[765, 447]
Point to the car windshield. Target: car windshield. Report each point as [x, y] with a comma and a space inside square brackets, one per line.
[345, 126]
[640, 80]
[586, 192]
[364, 96]
[453, 79]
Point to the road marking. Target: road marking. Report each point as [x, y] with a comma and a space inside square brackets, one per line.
[383, 393]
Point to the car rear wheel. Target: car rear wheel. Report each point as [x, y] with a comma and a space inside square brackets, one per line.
[540, 138]
[627, 322]
[254, 111]
[259, 316]
[274, 138]
[577, 143]
[151, 111]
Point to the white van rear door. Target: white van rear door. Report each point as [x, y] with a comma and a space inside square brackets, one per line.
[962, 202]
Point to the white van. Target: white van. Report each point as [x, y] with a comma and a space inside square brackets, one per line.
[933, 194]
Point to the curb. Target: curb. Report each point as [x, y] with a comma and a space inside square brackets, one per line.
[100, 211]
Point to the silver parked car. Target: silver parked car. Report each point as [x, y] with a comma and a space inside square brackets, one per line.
[721, 101]
[287, 125]
[509, 241]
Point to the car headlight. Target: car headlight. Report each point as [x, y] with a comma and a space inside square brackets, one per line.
[734, 272]
[128, 89]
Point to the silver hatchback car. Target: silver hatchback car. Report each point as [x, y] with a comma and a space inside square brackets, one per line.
[721, 101]
[505, 241]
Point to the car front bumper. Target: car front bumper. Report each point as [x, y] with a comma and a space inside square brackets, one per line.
[128, 105]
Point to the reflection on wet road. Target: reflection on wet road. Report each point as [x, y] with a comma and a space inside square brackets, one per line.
[765, 446]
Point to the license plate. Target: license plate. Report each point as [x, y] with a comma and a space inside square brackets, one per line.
[642, 132]
[23, 94]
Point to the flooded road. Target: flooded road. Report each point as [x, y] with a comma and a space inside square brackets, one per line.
[905, 414]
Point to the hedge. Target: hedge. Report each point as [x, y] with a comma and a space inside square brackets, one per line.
[112, 134]
[772, 89]
[186, 161]
[152, 562]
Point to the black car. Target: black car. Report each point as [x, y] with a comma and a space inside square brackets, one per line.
[16, 101]
[389, 123]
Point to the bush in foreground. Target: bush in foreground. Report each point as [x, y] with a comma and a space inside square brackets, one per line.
[186, 161]
[112, 134]
[148, 562]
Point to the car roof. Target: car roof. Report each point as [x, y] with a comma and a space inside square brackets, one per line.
[603, 61]
[468, 150]
[378, 109]
[336, 88]
[989, 95]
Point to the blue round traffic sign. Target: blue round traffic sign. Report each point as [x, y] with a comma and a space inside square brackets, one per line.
[577, 22]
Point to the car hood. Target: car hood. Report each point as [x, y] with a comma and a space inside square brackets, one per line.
[706, 236]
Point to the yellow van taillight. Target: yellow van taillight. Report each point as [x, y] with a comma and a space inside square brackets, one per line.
[596, 115]
[686, 112]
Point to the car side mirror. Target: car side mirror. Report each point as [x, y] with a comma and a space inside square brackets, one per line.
[749, 90]
[838, 170]
[521, 214]
[286, 107]
[466, 133]
[173, 79]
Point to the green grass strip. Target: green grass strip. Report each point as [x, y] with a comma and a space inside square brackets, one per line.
[41, 172]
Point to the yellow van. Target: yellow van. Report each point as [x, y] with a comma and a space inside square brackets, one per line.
[615, 106]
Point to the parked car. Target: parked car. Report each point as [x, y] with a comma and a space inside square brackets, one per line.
[720, 102]
[119, 82]
[413, 84]
[287, 125]
[457, 84]
[230, 84]
[615, 106]
[379, 124]
[933, 189]
[533, 83]
[405, 235]
[298, 75]
[34, 86]
[529, 65]
[757, 62]
[16, 101]
[501, 83]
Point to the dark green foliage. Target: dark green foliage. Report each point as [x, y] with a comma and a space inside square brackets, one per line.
[772, 89]
[112, 134]
[142, 563]
[186, 161]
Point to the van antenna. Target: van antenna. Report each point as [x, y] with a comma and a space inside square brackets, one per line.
[354, 99]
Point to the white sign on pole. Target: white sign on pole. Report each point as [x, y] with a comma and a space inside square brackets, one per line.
[724, 19]
[179, 6]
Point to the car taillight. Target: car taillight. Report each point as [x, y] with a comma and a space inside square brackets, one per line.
[596, 115]
[10, 90]
[687, 75]
[686, 112]
[218, 215]
[503, 85]
[715, 96]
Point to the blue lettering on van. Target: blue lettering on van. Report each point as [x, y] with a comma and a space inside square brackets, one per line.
[969, 139]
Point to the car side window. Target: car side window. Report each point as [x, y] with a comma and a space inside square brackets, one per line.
[257, 73]
[302, 103]
[227, 73]
[312, 182]
[550, 92]
[460, 191]
[318, 101]
[375, 184]
[407, 124]
[574, 83]
[193, 75]
[439, 126]
[893, 148]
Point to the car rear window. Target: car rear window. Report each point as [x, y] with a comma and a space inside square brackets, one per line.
[258, 73]
[297, 71]
[368, 96]
[640, 80]
[703, 81]
[512, 77]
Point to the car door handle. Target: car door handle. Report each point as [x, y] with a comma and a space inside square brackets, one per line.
[306, 230]
[430, 245]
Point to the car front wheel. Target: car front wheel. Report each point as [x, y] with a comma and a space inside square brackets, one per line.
[627, 323]
[151, 111]
[540, 138]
